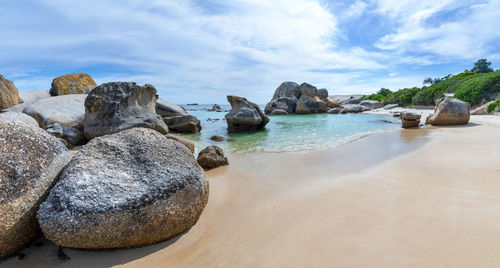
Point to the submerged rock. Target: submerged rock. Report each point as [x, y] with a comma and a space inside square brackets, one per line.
[128, 189]
[30, 161]
[116, 106]
[75, 83]
[9, 96]
[183, 124]
[218, 138]
[409, 120]
[245, 116]
[450, 112]
[212, 157]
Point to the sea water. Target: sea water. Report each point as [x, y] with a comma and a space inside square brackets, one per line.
[289, 132]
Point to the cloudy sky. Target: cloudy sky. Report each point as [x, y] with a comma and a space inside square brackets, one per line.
[202, 50]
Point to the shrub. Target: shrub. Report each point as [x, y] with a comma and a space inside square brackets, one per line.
[493, 105]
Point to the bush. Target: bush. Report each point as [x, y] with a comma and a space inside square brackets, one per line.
[493, 105]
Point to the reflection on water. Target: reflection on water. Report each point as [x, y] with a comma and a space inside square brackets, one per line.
[291, 132]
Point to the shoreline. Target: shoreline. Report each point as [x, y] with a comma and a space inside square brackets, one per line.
[408, 197]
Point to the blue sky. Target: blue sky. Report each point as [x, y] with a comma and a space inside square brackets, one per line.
[202, 50]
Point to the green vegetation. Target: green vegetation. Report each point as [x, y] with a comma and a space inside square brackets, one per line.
[472, 86]
[493, 105]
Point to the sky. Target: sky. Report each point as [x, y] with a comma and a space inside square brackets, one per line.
[202, 50]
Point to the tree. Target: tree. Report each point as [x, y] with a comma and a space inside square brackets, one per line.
[428, 81]
[384, 91]
[482, 66]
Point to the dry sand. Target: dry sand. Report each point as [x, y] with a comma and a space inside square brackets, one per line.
[419, 197]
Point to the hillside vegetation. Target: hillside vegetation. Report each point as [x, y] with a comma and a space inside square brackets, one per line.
[471, 87]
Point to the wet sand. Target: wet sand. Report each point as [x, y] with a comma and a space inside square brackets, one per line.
[420, 197]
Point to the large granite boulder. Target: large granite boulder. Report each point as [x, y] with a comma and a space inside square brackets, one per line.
[391, 106]
[66, 112]
[183, 124]
[450, 111]
[279, 112]
[127, 189]
[335, 110]
[9, 96]
[31, 96]
[189, 144]
[354, 99]
[288, 104]
[20, 117]
[308, 90]
[323, 94]
[212, 157]
[245, 116]
[116, 106]
[287, 90]
[75, 83]
[351, 108]
[409, 120]
[371, 104]
[30, 161]
[167, 109]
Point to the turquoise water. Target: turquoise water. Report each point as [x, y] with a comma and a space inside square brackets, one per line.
[289, 133]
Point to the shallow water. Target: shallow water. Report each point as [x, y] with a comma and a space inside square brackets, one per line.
[288, 133]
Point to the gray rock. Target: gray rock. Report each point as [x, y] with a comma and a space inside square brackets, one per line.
[351, 100]
[166, 109]
[391, 106]
[344, 98]
[279, 112]
[323, 94]
[21, 117]
[304, 105]
[288, 104]
[127, 189]
[116, 106]
[450, 112]
[31, 96]
[9, 96]
[183, 124]
[287, 90]
[215, 108]
[16, 108]
[245, 116]
[218, 138]
[189, 144]
[212, 157]
[371, 104]
[30, 160]
[335, 110]
[409, 120]
[73, 136]
[55, 130]
[351, 108]
[308, 90]
[481, 110]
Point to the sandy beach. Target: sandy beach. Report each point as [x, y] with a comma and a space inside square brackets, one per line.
[425, 197]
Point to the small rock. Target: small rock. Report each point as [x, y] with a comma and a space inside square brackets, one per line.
[409, 120]
[212, 157]
[218, 138]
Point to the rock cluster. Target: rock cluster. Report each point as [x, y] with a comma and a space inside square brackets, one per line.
[128, 189]
[75, 83]
[298, 99]
[409, 120]
[176, 118]
[116, 106]
[9, 96]
[450, 111]
[30, 161]
[212, 157]
[245, 116]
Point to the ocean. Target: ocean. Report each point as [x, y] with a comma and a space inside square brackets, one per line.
[288, 133]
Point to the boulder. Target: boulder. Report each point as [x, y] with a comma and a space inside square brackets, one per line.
[9, 96]
[335, 110]
[371, 104]
[127, 189]
[215, 108]
[167, 109]
[332, 104]
[288, 104]
[212, 157]
[450, 112]
[183, 124]
[116, 106]
[409, 120]
[308, 90]
[351, 108]
[31, 96]
[20, 117]
[16, 108]
[67, 111]
[30, 161]
[279, 112]
[481, 110]
[323, 94]
[391, 106]
[351, 100]
[304, 105]
[245, 116]
[189, 144]
[75, 83]
[218, 138]
[287, 90]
